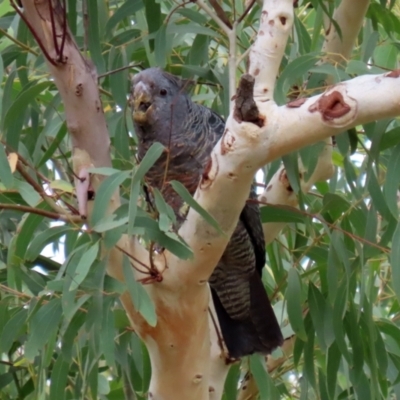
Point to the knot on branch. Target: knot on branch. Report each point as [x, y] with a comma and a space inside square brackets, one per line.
[245, 107]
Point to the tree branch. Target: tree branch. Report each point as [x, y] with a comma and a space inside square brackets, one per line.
[76, 80]
[343, 106]
[204, 6]
[349, 16]
[44, 213]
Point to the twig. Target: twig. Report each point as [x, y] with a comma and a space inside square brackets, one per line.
[134, 259]
[114, 71]
[17, 42]
[221, 13]
[64, 31]
[323, 221]
[217, 331]
[53, 27]
[243, 55]
[44, 213]
[232, 63]
[246, 11]
[174, 10]
[39, 189]
[35, 35]
[30, 180]
[214, 17]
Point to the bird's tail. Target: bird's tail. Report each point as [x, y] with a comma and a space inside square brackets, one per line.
[260, 333]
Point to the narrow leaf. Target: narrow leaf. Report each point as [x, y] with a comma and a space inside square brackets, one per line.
[140, 298]
[43, 324]
[6, 176]
[187, 197]
[293, 298]
[103, 195]
[84, 265]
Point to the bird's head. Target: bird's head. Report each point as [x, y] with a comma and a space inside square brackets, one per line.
[156, 95]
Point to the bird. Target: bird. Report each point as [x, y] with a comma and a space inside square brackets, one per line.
[163, 112]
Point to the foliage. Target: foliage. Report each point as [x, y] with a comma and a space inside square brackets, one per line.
[333, 273]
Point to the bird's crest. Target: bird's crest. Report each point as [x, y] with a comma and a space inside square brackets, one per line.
[183, 85]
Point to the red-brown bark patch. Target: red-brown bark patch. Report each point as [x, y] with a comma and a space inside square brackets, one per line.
[79, 89]
[393, 74]
[264, 15]
[206, 179]
[227, 143]
[331, 106]
[285, 180]
[296, 103]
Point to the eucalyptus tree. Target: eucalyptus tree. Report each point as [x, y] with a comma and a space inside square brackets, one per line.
[89, 309]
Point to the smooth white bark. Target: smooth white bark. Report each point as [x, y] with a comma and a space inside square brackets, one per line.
[350, 17]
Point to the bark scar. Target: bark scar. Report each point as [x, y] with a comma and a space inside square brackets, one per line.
[296, 103]
[331, 106]
[246, 109]
[210, 172]
[393, 74]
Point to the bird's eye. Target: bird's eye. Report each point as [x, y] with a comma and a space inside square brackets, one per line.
[163, 92]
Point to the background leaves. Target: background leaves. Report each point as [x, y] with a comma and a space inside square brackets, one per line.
[332, 274]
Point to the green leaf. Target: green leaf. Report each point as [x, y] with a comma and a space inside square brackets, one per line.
[153, 16]
[294, 302]
[108, 333]
[83, 267]
[27, 192]
[395, 261]
[333, 362]
[292, 73]
[119, 81]
[281, 213]
[62, 132]
[133, 199]
[392, 181]
[127, 9]
[187, 197]
[151, 156]
[290, 161]
[16, 110]
[106, 171]
[94, 35]
[309, 370]
[103, 195]
[390, 139]
[40, 241]
[317, 311]
[12, 330]
[264, 382]
[166, 213]
[199, 52]
[6, 176]
[140, 298]
[231, 383]
[24, 236]
[42, 326]
[109, 222]
[58, 379]
[160, 46]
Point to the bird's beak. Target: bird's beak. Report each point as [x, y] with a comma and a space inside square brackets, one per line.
[140, 102]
